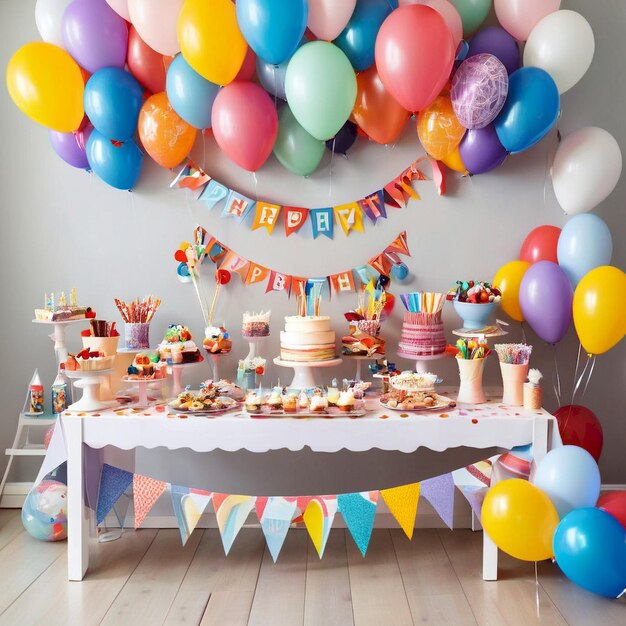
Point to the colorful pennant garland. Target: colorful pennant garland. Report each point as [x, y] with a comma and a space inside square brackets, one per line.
[265, 214]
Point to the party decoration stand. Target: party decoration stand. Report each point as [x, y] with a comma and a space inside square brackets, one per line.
[422, 363]
[253, 350]
[358, 359]
[143, 400]
[215, 358]
[304, 374]
[90, 382]
[177, 374]
[58, 336]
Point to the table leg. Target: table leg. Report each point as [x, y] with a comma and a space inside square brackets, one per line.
[77, 518]
[540, 438]
[357, 376]
[490, 558]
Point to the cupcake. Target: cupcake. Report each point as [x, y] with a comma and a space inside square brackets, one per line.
[333, 396]
[303, 400]
[275, 402]
[346, 401]
[253, 402]
[290, 403]
[318, 404]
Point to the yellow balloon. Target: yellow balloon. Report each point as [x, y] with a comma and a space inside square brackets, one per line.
[46, 83]
[508, 280]
[520, 519]
[455, 162]
[598, 307]
[210, 39]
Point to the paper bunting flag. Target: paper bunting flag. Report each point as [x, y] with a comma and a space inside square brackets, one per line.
[359, 510]
[399, 244]
[322, 222]
[256, 274]
[439, 491]
[318, 519]
[381, 263]
[350, 217]
[294, 219]
[402, 503]
[475, 496]
[190, 177]
[213, 193]
[298, 285]
[146, 491]
[366, 273]
[399, 190]
[316, 286]
[439, 176]
[113, 483]
[278, 282]
[237, 205]
[188, 505]
[513, 464]
[236, 265]
[342, 283]
[374, 206]
[266, 216]
[231, 513]
[276, 521]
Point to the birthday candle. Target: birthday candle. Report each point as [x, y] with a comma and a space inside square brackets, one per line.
[73, 297]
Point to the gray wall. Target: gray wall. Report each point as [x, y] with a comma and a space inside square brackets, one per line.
[62, 227]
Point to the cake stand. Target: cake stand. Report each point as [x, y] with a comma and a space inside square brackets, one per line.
[359, 358]
[58, 336]
[467, 333]
[215, 357]
[142, 389]
[177, 373]
[253, 342]
[304, 375]
[422, 362]
[89, 381]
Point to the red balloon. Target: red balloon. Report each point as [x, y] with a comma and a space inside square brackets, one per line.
[614, 503]
[540, 245]
[145, 64]
[222, 276]
[580, 427]
[245, 124]
[414, 55]
[248, 67]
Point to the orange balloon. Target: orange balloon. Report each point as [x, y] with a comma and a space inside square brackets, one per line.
[375, 109]
[167, 138]
[439, 129]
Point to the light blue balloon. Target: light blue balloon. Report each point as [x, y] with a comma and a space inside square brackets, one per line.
[530, 111]
[118, 166]
[272, 77]
[112, 101]
[190, 95]
[590, 547]
[399, 272]
[272, 28]
[585, 243]
[570, 477]
[358, 38]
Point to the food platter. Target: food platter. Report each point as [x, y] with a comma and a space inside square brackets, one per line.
[441, 403]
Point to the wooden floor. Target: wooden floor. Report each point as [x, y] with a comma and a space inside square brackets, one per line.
[146, 577]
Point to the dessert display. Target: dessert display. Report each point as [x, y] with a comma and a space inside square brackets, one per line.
[346, 401]
[404, 400]
[147, 366]
[207, 399]
[364, 324]
[248, 369]
[217, 340]
[101, 336]
[471, 354]
[224, 387]
[88, 361]
[422, 335]
[256, 324]
[253, 402]
[410, 381]
[178, 345]
[62, 311]
[319, 402]
[137, 316]
[307, 339]
[474, 301]
[290, 403]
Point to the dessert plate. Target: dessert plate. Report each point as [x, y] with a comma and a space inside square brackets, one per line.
[442, 403]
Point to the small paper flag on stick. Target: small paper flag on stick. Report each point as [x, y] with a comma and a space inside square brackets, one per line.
[231, 513]
[402, 502]
[113, 483]
[146, 492]
[318, 519]
[359, 510]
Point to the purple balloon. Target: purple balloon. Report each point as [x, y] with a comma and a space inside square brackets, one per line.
[481, 150]
[479, 89]
[71, 146]
[545, 297]
[343, 140]
[495, 40]
[95, 35]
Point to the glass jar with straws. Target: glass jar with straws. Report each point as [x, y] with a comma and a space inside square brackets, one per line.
[471, 354]
[514, 358]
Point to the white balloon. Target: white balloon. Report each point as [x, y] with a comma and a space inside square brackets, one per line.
[586, 168]
[562, 44]
[120, 7]
[48, 17]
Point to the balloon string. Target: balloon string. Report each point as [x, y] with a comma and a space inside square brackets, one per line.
[593, 364]
[523, 332]
[330, 172]
[256, 185]
[203, 151]
[274, 73]
[537, 592]
[580, 379]
[580, 347]
[556, 381]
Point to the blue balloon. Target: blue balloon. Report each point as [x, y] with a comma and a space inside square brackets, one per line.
[399, 272]
[358, 38]
[272, 28]
[118, 166]
[272, 77]
[584, 244]
[530, 111]
[113, 98]
[190, 95]
[590, 548]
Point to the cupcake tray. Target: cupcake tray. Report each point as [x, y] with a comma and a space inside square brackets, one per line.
[330, 412]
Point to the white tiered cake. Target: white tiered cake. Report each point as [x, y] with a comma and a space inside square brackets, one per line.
[307, 339]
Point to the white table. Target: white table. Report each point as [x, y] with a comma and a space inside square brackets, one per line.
[476, 431]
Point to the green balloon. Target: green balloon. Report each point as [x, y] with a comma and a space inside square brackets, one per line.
[473, 13]
[296, 149]
[320, 86]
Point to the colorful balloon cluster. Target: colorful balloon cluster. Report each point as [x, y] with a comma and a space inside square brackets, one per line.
[367, 62]
[556, 515]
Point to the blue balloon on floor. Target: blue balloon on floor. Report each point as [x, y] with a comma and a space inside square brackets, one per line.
[44, 513]
[590, 547]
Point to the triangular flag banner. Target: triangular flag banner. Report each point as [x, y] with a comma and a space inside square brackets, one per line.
[366, 273]
[231, 513]
[475, 496]
[190, 177]
[374, 206]
[359, 510]
[381, 263]
[275, 522]
[260, 502]
[319, 286]
[439, 176]
[213, 193]
[439, 491]
[256, 274]
[146, 491]
[399, 244]
[322, 222]
[402, 502]
[189, 505]
[318, 519]
[278, 282]
[301, 504]
[237, 205]
[113, 483]
[342, 283]
[350, 217]
[266, 216]
[298, 285]
[236, 265]
[294, 219]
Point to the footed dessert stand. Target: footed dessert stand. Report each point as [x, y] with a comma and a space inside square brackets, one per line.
[215, 358]
[359, 358]
[89, 382]
[253, 342]
[58, 336]
[143, 384]
[177, 374]
[422, 363]
[304, 373]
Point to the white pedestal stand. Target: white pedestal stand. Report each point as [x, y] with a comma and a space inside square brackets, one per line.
[422, 363]
[253, 342]
[177, 374]
[215, 357]
[89, 382]
[359, 358]
[58, 336]
[143, 384]
[304, 374]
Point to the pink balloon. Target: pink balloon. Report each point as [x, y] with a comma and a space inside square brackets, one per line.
[120, 7]
[519, 17]
[245, 124]
[156, 21]
[414, 55]
[327, 18]
[448, 12]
